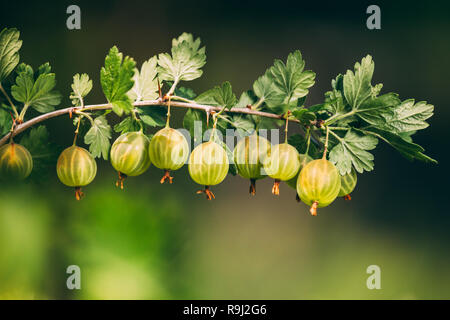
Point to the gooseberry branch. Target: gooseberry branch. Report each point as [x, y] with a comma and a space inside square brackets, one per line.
[158, 102]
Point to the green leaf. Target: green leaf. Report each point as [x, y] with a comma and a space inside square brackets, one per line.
[127, 125]
[357, 84]
[5, 122]
[305, 116]
[300, 143]
[264, 88]
[353, 149]
[244, 124]
[81, 86]
[145, 82]
[290, 80]
[334, 98]
[222, 96]
[375, 110]
[408, 116]
[9, 51]
[186, 60]
[116, 78]
[43, 152]
[247, 98]
[98, 138]
[407, 148]
[153, 116]
[184, 92]
[191, 117]
[38, 94]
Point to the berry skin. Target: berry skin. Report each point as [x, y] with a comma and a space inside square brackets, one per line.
[318, 184]
[16, 162]
[348, 184]
[304, 160]
[129, 155]
[249, 155]
[76, 168]
[168, 150]
[282, 164]
[208, 166]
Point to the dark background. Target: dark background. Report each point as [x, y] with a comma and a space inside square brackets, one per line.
[153, 241]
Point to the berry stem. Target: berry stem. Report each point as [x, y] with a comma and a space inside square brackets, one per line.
[326, 144]
[313, 209]
[168, 113]
[276, 187]
[286, 127]
[209, 194]
[166, 177]
[9, 101]
[252, 190]
[77, 130]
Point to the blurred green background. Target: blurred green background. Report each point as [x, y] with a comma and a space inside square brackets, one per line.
[155, 241]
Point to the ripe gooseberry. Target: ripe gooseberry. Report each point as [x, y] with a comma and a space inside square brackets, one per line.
[76, 168]
[16, 162]
[318, 184]
[348, 184]
[208, 166]
[282, 164]
[129, 155]
[304, 159]
[248, 156]
[168, 150]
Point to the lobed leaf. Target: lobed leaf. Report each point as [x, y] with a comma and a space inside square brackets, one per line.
[353, 149]
[145, 82]
[39, 93]
[127, 125]
[9, 51]
[185, 62]
[290, 80]
[98, 138]
[43, 152]
[116, 78]
[402, 144]
[221, 96]
[81, 87]
[5, 121]
[357, 85]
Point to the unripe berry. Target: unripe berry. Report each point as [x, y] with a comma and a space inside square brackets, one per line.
[208, 166]
[76, 168]
[129, 155]
[249, 155]
[168, 150]
[318, 184]
[16, 162]
[348, 184]
[282, 164]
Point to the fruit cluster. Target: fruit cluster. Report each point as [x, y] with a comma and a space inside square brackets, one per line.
[336, 140]
[317, 182]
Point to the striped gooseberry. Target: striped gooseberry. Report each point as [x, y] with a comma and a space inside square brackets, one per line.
[248, 156]
[76, 167]
[129, 155]
[168, 150]
[318, 184]
[304, 160]
[348, 184]
[282, 164]
[16, 162]
[208, 166]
